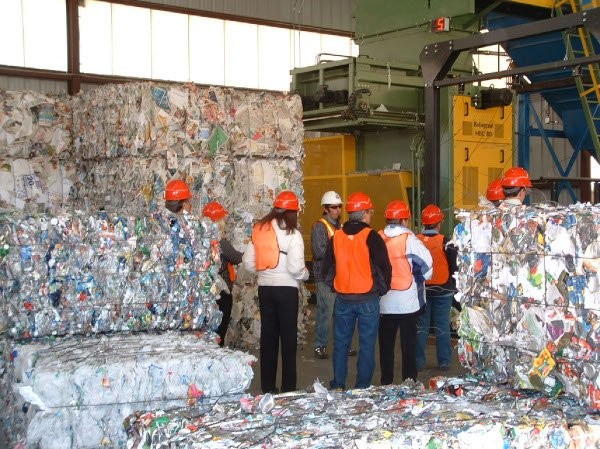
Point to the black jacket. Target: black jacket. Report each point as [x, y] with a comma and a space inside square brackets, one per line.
[381, 268]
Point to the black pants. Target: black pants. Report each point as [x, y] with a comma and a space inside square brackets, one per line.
[388, 327]
[225, 303]
[278, 320]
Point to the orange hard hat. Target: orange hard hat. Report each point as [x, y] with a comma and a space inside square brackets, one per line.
[214, 211]
[287, 200]
[177, 190]
[431, 215]
[494, 191]
[516, 177]
[397, 210]
[358, 201]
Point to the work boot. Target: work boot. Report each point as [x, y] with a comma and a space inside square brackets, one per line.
[320, 352]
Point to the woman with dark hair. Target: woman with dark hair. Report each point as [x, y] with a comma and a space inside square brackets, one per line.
[276, 253]
[229, 258]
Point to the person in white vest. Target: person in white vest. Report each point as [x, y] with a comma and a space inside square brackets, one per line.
[276, 254]
[401, 306]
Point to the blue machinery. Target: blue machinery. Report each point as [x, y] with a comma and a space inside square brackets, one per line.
[573, 94]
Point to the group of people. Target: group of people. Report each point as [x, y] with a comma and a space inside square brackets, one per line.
[382, 282]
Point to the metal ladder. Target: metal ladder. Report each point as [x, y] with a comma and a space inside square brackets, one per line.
[579, 44]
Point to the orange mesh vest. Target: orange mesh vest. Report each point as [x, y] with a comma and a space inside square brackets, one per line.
[401, 271]
[266, 247]
[232, 272]
[352, 262]
[330, 229]
[435, 245]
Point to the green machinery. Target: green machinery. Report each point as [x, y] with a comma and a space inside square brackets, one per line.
[378, 97]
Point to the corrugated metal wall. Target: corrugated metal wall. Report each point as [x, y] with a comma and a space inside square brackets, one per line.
[18, 83]
[330, 14]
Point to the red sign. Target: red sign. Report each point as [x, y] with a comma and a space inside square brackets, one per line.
[440, 24]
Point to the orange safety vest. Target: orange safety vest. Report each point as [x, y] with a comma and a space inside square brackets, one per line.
[352, 262]
[232, 271]
[266, 246]
[330, 228]
[435, 245]
[402, 277]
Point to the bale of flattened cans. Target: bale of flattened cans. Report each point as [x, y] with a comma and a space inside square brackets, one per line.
[529, 285]
[456, 413]
[75, 392]
[79, 273]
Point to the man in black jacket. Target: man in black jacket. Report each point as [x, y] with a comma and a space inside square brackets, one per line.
[356, 266]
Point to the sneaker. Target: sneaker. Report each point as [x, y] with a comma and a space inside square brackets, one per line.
[352, 352]
[320, 352]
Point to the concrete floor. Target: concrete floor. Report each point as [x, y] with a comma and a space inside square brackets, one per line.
[310, 368]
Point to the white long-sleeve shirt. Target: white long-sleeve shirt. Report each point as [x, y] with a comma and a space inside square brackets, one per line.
[419, 258]
[291, 268]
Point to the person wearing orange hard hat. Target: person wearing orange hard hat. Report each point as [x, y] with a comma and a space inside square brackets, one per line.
[178, 196]
[440, 289]
[229, 258]
[515, 184]
[356, 266]
[276, 253]
[495, 192]
[401, 306]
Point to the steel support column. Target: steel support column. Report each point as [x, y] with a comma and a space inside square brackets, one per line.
[431, 168]
[73, 59]
[523, 131]
[437, 60]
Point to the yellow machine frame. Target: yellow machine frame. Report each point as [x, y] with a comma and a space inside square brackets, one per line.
[330, 164]
[483, 148]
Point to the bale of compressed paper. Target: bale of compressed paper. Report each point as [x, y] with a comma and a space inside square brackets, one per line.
[80, 273]
[528, 283]
[35, 124]
[76, 392]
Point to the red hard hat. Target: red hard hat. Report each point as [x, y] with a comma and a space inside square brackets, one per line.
[516, 177]
[287, 200]
[177, 190]
[214, 211]
[397, 210]
[494, 191]
[358, 201]
[431, 215]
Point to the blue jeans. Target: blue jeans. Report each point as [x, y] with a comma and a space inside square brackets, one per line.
[438, 309]
[325, 301]
[345, 316]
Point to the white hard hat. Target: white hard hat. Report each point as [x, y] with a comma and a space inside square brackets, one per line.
[331, 197]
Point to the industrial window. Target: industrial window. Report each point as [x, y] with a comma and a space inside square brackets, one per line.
[275, 56]
[124, 40]
[37, 32]
[241, 54]
[131, 41]
[307, 46]
[170, 50]
[96, 41]
[490, 59]
[207, 62]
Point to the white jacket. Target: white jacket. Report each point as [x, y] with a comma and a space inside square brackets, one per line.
[291, 268]
[419, 258]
